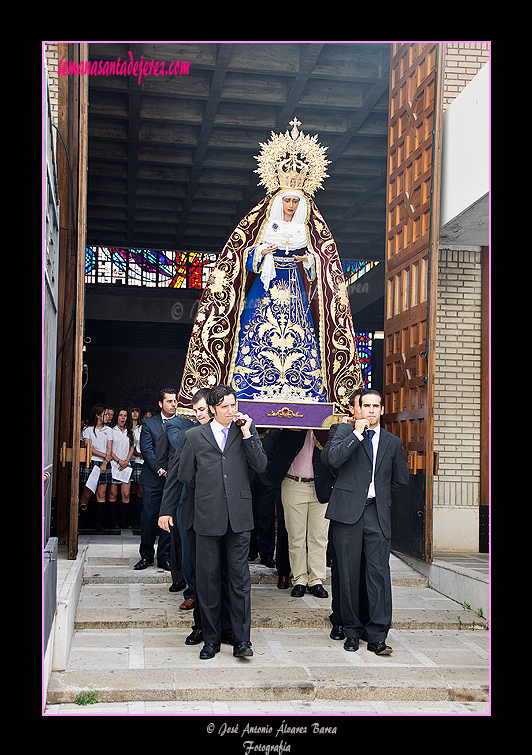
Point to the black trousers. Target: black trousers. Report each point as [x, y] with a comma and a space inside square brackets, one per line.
[224, 610]
[263, 534]
[176, 554]
[209, 560]
[149, 529]
[282, 557]
[350, 543]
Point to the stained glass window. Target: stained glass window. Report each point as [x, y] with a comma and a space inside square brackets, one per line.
[147, 267]
[364, 346]
[355, 269]
[169, 269]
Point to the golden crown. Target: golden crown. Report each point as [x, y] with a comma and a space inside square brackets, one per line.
[292, 161]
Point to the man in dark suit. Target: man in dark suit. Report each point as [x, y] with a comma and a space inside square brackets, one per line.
[169, 517]
[152, 479]
[180, 565]
[215, 460]
[370, 463]
[337, 631]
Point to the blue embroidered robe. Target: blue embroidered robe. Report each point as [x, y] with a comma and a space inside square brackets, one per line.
[277, 342]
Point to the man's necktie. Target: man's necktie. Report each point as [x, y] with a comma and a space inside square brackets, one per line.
[371, 433]
[225, 432]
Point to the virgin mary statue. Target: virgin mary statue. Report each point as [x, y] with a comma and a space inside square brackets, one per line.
[274, 319]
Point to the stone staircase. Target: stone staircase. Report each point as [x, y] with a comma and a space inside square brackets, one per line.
[128, 644]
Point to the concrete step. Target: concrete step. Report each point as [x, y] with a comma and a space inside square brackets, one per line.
[137, 606]
[288, 664]
[115, 570]
[116, 596]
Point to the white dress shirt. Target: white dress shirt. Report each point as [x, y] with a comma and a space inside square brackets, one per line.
[136, 434]
[375, 444]
[217, 431]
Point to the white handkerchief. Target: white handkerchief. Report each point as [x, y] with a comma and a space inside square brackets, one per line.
[268, 273]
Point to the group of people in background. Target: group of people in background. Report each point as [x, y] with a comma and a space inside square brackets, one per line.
[216, 495]
[114, 440]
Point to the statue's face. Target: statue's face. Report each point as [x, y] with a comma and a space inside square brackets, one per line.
[289, 207]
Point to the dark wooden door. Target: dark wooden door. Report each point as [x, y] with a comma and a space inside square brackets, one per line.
[414, 158]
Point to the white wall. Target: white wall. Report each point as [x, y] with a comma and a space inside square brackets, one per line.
[465, 149]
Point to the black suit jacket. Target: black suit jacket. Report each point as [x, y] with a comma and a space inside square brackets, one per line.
[288, 444]
[150, 431]
[174, 488]
[167, 440]
[221, 479]
[352, 459]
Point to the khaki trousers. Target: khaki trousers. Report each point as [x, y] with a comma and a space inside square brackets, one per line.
[307, 529]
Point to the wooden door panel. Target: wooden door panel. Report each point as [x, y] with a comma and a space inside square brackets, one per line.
[411, 246]
[413, 77]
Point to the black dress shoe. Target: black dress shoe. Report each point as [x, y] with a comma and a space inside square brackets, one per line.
[177, 586]
[283, 583]
[209, 650]
[298, 591]
[268, 562]
[164, 565]
[337, 633]
[379, 648]
[143, 564]
[242, 650]
[195, 637]
[351, 643]
[318, 591]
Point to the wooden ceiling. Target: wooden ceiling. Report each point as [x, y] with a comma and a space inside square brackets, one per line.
[171, 160]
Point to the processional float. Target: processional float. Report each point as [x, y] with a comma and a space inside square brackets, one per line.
[277, 326]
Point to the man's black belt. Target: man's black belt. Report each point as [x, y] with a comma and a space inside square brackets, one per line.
[300, 479]
[370, 500]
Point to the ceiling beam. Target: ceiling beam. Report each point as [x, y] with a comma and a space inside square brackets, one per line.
[215, 93]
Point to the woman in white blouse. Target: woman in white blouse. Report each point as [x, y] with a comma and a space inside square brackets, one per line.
[123, 448]
[100, 438]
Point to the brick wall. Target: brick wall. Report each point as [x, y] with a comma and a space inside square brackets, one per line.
[463, 60]
[51, 61]
[458, 378]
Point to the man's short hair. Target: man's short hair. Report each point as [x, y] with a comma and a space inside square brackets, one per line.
[353, 396]
[218, 393]
[200, 393]
[369, 392]
[165, 391]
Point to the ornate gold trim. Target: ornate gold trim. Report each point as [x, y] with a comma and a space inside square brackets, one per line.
[284, 413]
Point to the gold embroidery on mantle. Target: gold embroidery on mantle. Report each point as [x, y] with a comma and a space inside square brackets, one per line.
[278, 345]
